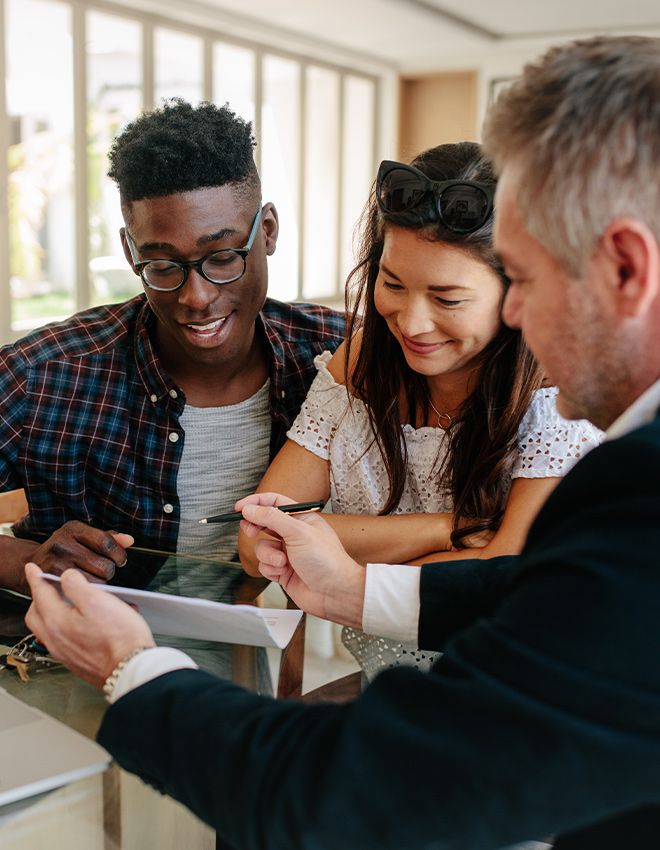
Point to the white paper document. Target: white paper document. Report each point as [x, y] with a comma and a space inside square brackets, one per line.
[182, 616]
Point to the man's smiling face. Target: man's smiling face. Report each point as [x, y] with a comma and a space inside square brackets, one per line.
[203, 323]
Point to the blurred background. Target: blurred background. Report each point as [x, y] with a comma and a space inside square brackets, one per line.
[331, 88]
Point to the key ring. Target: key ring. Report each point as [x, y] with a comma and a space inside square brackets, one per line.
[28, 656]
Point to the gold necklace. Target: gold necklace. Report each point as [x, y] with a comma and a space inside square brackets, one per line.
[444, 419]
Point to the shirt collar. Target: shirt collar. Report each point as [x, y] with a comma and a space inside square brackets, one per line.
[276, 352]
[156, 381]
[643, 410]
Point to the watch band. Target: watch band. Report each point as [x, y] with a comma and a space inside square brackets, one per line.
[111, 681]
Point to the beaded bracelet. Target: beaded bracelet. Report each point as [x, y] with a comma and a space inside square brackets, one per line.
[111, 681]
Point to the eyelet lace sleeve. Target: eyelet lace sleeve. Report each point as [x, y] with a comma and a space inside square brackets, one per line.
[549, 445]
[321, 412]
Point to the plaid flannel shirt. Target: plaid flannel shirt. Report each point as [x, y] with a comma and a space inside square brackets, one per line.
[87, 413]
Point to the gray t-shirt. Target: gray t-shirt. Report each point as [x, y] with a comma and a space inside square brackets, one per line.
[225, 454]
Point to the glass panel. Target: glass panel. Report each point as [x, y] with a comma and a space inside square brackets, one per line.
[280, 163]
[41, 198]
[358, 164]
[321, 183]
[114, 97]
[179, 66]
[233, 78]
[61, 695]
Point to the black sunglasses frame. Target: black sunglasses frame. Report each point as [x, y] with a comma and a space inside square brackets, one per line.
[434, 188]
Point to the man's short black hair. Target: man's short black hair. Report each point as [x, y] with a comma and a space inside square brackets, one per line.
[179, 147]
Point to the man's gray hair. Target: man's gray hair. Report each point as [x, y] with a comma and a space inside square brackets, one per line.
[582, 129]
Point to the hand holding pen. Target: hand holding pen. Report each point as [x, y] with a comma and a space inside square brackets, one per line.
[291, 508]
[305, 556]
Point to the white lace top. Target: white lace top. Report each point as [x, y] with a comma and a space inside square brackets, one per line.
[328, 426]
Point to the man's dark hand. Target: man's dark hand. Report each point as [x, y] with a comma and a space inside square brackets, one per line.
[96, 553]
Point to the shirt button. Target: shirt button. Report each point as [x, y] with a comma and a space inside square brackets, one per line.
[173, 437]
[168, 508]
[154, 397]
[174, 393]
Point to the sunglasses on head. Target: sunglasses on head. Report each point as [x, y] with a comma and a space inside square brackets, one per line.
[462, 205]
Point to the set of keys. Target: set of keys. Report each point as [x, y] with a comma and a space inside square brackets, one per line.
[26, 657]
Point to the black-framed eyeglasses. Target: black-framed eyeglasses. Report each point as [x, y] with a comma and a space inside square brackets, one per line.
[462, 205]
[219, 267]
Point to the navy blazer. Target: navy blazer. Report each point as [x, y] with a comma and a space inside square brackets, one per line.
[542, 717]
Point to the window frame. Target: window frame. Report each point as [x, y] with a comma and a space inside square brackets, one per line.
[209, 35]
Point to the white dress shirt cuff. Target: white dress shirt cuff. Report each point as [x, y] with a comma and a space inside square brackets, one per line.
[148, 665]
[391, 601]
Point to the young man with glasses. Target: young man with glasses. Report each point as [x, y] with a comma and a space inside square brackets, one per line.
[140, 418]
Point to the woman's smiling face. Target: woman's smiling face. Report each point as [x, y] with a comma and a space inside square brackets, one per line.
[441, 303]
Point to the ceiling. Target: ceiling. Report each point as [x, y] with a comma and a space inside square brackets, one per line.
[412, 35]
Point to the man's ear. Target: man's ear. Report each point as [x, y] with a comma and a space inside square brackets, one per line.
[126, 249]
[270, 224]
[633, 262]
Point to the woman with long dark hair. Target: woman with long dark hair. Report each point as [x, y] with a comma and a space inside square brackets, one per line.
[430, 429]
